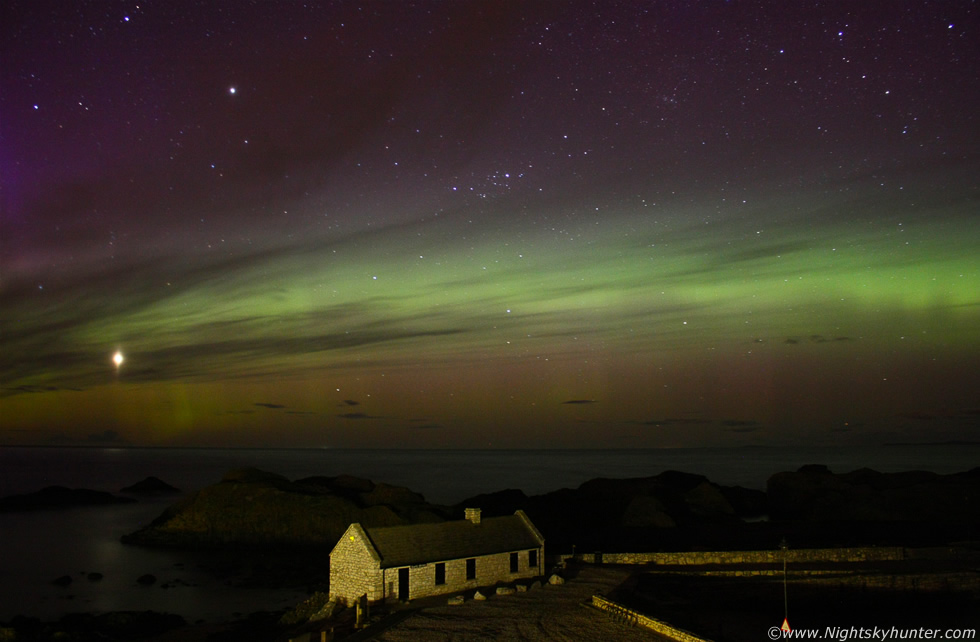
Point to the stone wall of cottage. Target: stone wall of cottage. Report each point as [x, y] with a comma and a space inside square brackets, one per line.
[353, 570]
[490, 569]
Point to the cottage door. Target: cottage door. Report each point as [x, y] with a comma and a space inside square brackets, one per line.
[403, 584]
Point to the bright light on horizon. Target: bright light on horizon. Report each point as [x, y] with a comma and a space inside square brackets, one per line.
[117, 358]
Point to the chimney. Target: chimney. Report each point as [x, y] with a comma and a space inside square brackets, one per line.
[472, 514]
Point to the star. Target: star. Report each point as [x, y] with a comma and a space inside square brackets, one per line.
[601, 189]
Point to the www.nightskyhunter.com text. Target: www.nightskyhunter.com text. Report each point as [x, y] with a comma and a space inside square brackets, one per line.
[844, 634]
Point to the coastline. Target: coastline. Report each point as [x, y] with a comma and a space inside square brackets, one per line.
[446, 476]
[182, 579]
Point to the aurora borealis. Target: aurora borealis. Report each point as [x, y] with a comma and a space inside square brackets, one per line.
[489, 224]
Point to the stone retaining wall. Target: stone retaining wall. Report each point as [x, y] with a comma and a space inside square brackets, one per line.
[702, 558]
[646, 622]
[964, 582]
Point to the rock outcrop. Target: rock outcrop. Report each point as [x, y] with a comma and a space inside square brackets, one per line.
[250, 507]
[315, 608]
[622, 513]
[151, 486]
[814, 494]
[669, 511]
[645, 511]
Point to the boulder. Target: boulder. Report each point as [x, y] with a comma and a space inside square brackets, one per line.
[455, 600]
[479, 597]
[556, 579]
[506, 590]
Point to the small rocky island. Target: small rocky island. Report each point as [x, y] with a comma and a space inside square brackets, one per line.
[150, 487]
[60, 497]
[53, 497]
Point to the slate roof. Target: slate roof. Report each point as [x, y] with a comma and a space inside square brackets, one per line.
[425, 543]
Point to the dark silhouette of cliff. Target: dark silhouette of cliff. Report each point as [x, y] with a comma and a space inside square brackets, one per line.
[668, 511]
[814, 506]
[814, 494]
[250, 507]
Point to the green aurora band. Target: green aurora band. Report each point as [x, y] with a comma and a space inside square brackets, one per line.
[794, 318]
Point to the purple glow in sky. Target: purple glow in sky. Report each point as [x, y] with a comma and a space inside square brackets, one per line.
[489, 224]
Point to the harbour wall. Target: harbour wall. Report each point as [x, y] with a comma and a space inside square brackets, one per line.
[706, 558]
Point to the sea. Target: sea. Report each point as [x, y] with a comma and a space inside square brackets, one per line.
[40, 546]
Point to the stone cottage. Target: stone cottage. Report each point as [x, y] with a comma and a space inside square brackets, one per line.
[419, 560]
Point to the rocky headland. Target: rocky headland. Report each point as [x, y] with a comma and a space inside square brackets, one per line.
[250, 507]
[814, 494]
[667, 510]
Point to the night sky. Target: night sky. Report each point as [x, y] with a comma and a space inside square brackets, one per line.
[489, 224]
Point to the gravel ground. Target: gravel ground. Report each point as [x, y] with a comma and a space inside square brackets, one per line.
[545, 613]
